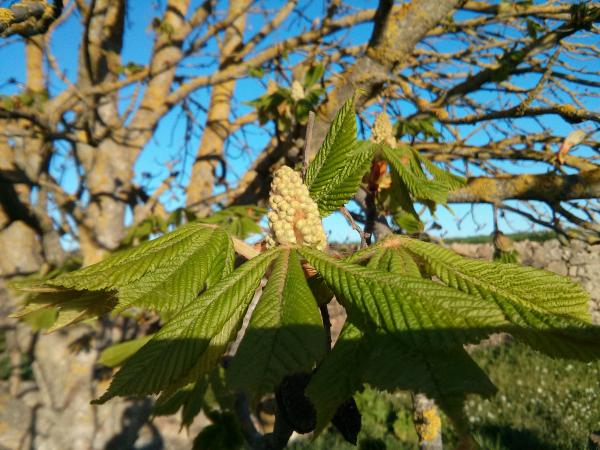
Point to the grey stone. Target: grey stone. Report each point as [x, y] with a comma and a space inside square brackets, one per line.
[558, 267]
[579, 259]
[15, 420]
[23, 258]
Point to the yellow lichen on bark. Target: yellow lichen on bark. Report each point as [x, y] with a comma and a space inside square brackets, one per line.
[6, 16]
[385, 51]
[429, 426]
[483, 188]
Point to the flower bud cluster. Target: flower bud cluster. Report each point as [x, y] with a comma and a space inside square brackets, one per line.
[297, 92]
[294, 217]
[383, 131]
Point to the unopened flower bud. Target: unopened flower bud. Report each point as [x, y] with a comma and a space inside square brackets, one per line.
[382, 131]
[297, 91]
[294, 217]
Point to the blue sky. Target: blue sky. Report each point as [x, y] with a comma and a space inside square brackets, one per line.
[168, 143]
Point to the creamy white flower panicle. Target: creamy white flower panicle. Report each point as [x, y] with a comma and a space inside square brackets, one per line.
[297, 91]
[294, 217]
[383, 131]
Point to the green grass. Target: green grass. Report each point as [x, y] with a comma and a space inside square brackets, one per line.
[542, 403]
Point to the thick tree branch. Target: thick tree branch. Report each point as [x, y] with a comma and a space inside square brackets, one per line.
[29, 18]
[506, 149]
[396, 32]
[550, 188]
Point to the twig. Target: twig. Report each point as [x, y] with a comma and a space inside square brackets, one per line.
[280, 436]
[326, 323]
[371, 213]
[355, 227]
[276, 440]
[244, 249]
[306, 150]
[495, 216]
[242, 411]
[521, 108]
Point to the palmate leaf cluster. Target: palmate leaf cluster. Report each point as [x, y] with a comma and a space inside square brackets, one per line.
[412, 306]
[281, 105]
[413, 179]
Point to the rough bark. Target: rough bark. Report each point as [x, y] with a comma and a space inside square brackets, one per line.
[428, 423]
[107, 165]
[21, 250]
[550, 188]
[166, 53]
[29, 18]
[216, 129]
[26, 229]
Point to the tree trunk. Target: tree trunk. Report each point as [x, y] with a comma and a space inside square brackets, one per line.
[216, 130]
[109, 168]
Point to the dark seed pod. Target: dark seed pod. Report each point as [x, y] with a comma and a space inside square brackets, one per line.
[294, 406]
[348, 420]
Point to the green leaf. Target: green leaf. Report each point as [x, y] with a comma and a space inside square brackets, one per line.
[407, 165]
[313, 75]
[190, 399]
[42, 319]
[164, 274]
[285, 334]
[191, 344]
[550, 312]
[388, 361]
[396, 199]
[341, 184]
[511, 256]
[169, 404]
[408, 222]
[239, 220]
[313, 96]
[223, 433]
[70, 305]
[395, 260]
[397, 303]
[339, 376]
[302, 108]
[365, 254]
[339, 141]
[116, 354]
[442, 176]
[446, 375]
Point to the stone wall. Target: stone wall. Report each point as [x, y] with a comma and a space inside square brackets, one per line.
[50, 409]
[578, 261]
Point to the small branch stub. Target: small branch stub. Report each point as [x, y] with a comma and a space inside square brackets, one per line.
[428, 423]
[306, 149]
